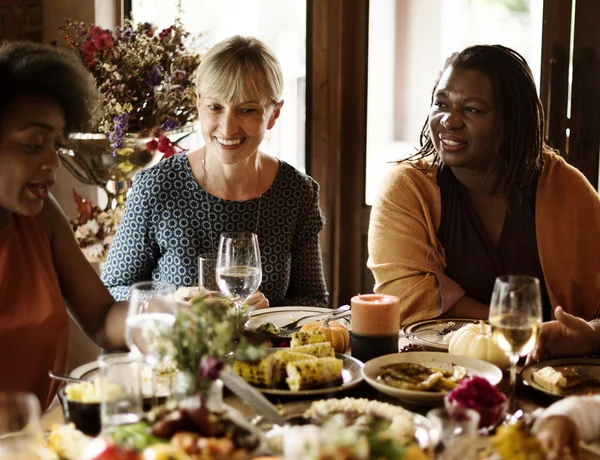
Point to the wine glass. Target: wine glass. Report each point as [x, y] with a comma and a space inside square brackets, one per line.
[21, 435]
[151, 313]
[239, 270]
[516, 318]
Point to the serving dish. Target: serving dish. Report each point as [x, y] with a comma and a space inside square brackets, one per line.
[444, 361]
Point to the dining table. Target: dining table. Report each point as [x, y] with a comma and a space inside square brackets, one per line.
[527, 399]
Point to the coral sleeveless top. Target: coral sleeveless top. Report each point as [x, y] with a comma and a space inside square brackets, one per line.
[34, 324]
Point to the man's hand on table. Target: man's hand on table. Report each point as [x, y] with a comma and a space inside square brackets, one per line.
[568, 335]
[558, 433]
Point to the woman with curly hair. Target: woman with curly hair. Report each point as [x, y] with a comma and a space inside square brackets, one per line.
[45, 94]
[484, 197]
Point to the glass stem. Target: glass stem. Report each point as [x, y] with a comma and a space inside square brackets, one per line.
[514, 359]
[154, 395]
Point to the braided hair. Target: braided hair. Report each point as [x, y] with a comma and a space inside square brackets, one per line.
[520, 120]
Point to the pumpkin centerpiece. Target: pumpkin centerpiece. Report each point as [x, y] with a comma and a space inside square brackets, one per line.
[335, 333]
[476, 341]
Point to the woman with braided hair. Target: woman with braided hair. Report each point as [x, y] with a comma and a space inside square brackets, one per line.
[484, 197]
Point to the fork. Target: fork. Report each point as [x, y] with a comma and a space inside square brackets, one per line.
[451, 327]
[294, 325]
[581, 372]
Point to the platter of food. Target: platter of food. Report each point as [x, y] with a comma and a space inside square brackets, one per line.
[330, 424]
[435, 334]
[306, 370]
[564, 377]
[425, 377]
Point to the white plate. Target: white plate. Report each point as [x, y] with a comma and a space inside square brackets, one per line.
[431, 339]
[280, 316]
[89, 371]
[428, 359]
[351, 376]
[565, 367]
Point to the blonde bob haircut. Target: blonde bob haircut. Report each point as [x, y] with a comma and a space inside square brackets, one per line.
[241, 69]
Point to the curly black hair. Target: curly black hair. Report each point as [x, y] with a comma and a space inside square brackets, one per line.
[520, 124]
[28, 68]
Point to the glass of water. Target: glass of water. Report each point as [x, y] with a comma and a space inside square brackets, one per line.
[239, 270]
[120, 389]
[21, 435]
[151, 314]
[207, 273]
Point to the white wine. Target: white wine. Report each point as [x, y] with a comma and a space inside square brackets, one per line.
[515, 334]
[143, 329]
[240, 281]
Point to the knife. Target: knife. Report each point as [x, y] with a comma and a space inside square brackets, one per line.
[251, 396]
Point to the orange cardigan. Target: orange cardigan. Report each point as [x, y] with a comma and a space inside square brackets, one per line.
[407, 259]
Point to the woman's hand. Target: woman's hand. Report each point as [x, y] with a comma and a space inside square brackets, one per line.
[568, 335]
[558, 433]
[257, 301]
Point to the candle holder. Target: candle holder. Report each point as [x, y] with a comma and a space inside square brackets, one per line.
[375, 326]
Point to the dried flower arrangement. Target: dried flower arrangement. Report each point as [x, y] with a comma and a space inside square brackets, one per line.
[145, 77]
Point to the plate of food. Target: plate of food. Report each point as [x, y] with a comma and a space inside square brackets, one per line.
[564, 377]
[332, 419]
[425, 377]
[302, 370]
[266, 322]
[435, 334]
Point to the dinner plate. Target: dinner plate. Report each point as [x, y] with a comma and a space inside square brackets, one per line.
[280, 316]
[565, 367]
[89, 371]
[430, 339]
[351, 376]
[429, 359]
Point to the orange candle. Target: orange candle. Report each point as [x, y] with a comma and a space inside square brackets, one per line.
[375, 314]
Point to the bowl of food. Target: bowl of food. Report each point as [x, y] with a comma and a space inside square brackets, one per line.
[81, 406]
[480, 395]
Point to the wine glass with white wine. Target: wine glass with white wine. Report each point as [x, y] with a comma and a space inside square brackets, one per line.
[516, 319]
[239, 270]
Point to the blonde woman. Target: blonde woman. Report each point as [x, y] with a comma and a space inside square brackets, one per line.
[178, 209]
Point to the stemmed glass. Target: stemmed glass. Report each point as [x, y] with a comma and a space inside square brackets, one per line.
[21, 435]
[239, 270]
[516, 318]
[151, 313]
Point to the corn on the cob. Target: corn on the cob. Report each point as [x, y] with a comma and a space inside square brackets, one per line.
[306, 338]
[320, 350]
[303, 375]
[282, 357]
[257, 373]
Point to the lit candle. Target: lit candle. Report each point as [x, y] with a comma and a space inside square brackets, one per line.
[375, 325]
[375, 314]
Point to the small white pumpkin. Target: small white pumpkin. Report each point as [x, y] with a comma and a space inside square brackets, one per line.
[476, 341]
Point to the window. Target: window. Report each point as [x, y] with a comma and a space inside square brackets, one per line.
[409, 40]
[281, 24]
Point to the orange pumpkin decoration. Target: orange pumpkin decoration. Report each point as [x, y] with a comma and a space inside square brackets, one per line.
[335, 333]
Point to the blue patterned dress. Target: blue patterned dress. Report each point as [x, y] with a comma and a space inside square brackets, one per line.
[166, 227]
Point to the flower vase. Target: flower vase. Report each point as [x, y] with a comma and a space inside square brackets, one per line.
[91, 158]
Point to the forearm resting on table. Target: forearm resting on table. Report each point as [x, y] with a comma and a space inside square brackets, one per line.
[467, 307]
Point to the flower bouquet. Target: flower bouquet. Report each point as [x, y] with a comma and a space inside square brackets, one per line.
[145, 79]
[95, 229]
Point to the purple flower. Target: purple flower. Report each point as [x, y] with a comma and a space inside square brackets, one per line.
[118, 132]
[210, 367]
[128, 34]
[154, 76]
[171, 123]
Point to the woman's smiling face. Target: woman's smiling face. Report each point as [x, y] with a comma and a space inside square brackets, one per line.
[234, 131]
[31, 133]
[462, 119]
